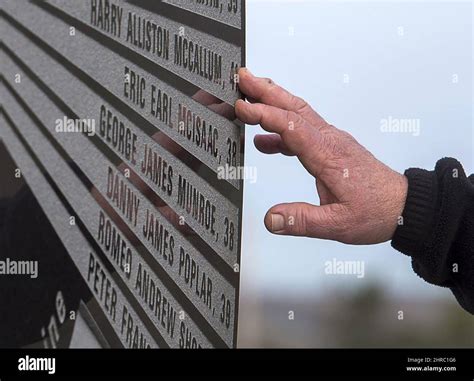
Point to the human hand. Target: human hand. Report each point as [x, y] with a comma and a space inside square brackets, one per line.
[361, 199]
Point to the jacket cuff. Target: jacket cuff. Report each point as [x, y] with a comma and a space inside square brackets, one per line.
[419, 212]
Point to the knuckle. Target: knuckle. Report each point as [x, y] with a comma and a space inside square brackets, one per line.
[324, 127]
[298, 104]
[303, 220]
[297, 221]
[346, 136]
[269, 86]
[268, 81]
[294, 120]
[331, 144]
[272, 91]
[261, 111]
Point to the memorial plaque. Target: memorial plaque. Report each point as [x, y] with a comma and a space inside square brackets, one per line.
[228, 12]
[121, 162]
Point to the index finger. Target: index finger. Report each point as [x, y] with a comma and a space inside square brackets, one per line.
[296, 133]
[264, 90]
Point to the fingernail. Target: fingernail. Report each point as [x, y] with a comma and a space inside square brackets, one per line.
[236, 103]
[278, 222]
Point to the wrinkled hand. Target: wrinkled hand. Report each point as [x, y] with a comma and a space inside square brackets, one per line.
[361, 198]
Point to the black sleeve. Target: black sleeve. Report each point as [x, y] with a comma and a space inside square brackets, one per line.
[437, 229]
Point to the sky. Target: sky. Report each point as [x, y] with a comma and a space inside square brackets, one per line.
[358, 64]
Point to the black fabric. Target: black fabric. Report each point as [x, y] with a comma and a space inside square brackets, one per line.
[437, 230]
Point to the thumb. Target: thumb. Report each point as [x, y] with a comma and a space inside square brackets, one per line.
[303, 219]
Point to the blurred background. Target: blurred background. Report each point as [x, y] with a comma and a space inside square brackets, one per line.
[364, 66]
